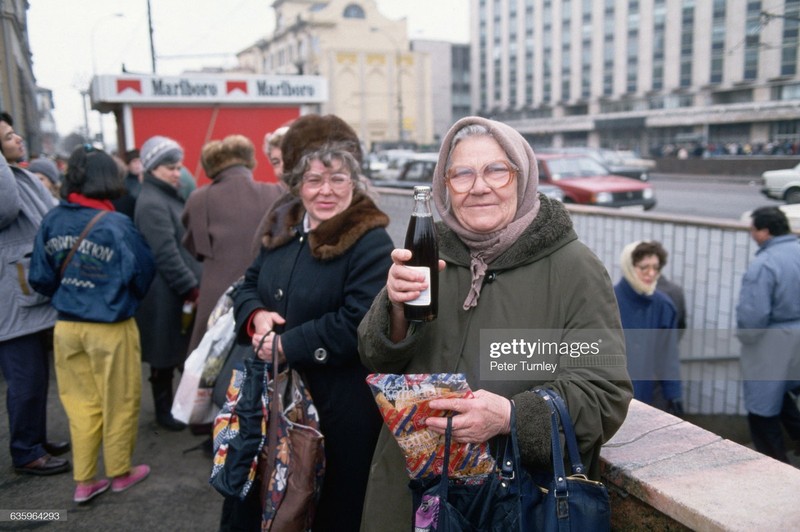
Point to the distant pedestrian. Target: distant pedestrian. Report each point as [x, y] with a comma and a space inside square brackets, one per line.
[768, 323]
[126, 204]
[650, 320]
[272, 149]
[28, 317]
[47, 172]
[96, 289]
[158, 216]
[221, 220]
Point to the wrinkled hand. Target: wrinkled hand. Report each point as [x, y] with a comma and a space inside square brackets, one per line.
[263, 323]
[405, 284]
[477, 420]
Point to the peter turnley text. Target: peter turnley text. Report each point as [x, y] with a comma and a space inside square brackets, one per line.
[522, 365]
[539, 348]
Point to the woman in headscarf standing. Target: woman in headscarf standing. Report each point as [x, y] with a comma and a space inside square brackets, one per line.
[158, 217]
[511, 261]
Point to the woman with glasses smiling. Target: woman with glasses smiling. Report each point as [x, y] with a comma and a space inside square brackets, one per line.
[511, 260]
[650, 321]
[324, 257]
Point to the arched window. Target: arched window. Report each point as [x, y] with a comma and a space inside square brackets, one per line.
[354, 11]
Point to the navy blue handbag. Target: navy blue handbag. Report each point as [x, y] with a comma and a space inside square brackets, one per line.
[511, 498]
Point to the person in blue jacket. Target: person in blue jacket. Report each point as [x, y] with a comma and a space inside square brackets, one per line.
[768, 326]
[96, 291]
[650, 322]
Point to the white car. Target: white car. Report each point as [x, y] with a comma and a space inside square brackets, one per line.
[782, 184]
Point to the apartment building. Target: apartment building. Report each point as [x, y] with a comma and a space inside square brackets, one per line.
[639, 74]
[377, 84]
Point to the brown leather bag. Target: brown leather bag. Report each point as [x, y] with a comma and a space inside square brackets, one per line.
[292, 464]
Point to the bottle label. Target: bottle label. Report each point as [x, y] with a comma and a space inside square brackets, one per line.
[424, 298]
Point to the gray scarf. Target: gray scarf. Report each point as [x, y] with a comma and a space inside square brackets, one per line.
[486, 247]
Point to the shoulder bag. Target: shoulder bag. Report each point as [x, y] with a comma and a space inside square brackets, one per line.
[511, 498]
[292, 464]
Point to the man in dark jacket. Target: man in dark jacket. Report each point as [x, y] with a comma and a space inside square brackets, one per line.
[28, 316]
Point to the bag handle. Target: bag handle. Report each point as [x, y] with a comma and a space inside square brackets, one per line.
[444, 481]
[569, 430]
[275, 407]
[77, 243]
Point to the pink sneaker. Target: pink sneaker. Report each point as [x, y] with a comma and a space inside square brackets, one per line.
[134, 476]
[86, 492]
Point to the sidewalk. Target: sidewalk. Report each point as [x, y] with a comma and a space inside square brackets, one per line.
[175, 497]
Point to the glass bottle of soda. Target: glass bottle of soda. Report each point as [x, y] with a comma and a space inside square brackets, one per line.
[421, 241]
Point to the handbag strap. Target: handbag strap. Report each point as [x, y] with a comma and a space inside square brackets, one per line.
[77, 243]
[444, 481]
[568, 428]
[274, 408]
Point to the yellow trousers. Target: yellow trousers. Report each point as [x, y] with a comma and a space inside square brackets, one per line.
[99, 374]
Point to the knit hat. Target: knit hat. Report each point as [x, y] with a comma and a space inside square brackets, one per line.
[47, 168]
[160, 150]
[311, 132]
[233, 150]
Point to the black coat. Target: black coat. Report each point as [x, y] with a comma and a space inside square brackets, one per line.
[322, 283]
[158, 217]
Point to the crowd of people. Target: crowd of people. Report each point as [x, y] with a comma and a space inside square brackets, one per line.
[102, 277]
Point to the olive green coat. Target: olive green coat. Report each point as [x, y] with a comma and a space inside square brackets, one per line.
[546, 280]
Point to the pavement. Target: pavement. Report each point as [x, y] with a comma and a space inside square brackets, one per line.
[175, 497]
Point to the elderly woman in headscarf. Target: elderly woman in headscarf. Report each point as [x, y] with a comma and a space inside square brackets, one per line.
[510, 260]
[324, 256]
[650, 321]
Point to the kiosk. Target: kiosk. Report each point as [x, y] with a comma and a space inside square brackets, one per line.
[196, 108]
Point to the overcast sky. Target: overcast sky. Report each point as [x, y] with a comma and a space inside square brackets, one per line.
[72, 40]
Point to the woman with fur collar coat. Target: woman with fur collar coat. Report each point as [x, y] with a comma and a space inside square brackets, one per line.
[325, 256]
[221, 220]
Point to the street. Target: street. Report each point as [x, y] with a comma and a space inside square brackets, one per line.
[707, 196]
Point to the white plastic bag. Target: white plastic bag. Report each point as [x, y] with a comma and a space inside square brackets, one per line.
[192, 403]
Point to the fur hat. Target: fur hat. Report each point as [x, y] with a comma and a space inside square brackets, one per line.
[233, 150]
[160, 150]
[47, 168]
[313, 131]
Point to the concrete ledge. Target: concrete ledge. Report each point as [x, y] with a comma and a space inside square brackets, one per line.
[693, 478]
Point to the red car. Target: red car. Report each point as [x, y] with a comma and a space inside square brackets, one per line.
[584, 180]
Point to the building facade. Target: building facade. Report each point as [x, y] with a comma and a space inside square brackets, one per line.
[639, 74]
[376, 83]
[18, 92]
[450, 79]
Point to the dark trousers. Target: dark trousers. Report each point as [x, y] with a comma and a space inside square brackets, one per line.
[25, 362]
[767, 432]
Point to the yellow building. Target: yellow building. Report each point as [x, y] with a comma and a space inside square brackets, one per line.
[376, 84]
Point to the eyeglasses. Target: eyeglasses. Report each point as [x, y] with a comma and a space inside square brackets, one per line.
[338, 181]
[496, 175]
[648, 267]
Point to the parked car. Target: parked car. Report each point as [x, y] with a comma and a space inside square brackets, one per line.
[618, 162]
[584, 180]
[782, 184]
[416, 169]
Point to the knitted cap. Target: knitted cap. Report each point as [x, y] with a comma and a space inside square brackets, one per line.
[311, 132]
[160, 150]
[47, 168]
[233, 150]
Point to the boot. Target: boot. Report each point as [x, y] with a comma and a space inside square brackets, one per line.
[161, 383]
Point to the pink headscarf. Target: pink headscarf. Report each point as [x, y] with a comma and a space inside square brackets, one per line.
[485, 247]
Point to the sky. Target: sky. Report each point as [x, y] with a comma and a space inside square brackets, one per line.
[71, 41]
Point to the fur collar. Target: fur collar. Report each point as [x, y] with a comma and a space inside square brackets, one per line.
[550, 230]
[332, 238]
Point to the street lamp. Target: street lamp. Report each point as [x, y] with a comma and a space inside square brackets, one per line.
[398, 53]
